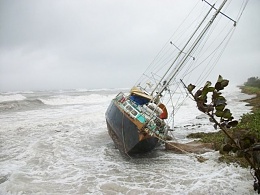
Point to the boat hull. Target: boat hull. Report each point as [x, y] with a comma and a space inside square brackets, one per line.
[126, 132]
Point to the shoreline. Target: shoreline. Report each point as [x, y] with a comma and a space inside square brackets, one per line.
[254, 101]
[242, 133]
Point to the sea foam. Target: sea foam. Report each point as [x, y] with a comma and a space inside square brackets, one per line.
[13, 97]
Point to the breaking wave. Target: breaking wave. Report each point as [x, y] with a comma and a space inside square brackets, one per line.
[74, 100]
[11, 97]
[20, 104]
[56, 142]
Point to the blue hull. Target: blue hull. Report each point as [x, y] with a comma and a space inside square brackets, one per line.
[125, 132]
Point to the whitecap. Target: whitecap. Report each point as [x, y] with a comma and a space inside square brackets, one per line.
[14, 97]
[73, 100]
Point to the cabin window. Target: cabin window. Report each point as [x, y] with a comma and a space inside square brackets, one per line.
[129, 108]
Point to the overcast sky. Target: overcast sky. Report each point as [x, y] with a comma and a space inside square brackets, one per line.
[90, 44]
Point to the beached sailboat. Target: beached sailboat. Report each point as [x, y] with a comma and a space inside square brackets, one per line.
[136, 121]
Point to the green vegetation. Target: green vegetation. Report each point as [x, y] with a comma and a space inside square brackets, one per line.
[216, 138]
[251, 122]
[250, 90]
[255, 101]
[253, 82]
[247, 132]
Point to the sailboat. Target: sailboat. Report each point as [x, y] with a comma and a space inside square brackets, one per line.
[137, 121]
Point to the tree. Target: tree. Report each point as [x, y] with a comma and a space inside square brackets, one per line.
[253, 82]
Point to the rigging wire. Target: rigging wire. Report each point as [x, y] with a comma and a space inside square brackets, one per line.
[153, 64]
[227, 37]
[243, 7]
[212, 54]
[166, 53]
[169, 56]
[200, 52]
[164, 56]
[223, 44]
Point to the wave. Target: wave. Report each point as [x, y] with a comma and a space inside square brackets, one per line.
[16, 92]
[11, 97]
[18, 102]
[79, 99]
[18, 105]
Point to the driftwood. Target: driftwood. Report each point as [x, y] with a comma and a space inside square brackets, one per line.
[191, 147]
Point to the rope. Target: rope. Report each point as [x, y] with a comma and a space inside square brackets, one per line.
[182, 150]
[199, 158]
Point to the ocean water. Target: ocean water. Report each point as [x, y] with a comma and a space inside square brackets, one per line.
[56, 142]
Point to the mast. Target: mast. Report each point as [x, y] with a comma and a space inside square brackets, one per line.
[193, 46]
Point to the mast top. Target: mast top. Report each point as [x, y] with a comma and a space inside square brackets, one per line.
[235, 22]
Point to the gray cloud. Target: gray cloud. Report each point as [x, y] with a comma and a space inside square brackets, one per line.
[48, 44]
